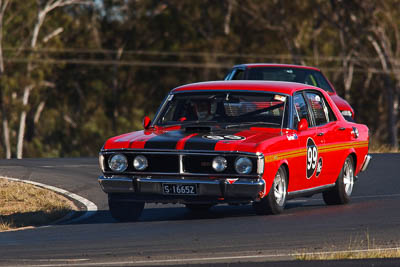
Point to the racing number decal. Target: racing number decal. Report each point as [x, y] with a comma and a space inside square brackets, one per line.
[312, 157]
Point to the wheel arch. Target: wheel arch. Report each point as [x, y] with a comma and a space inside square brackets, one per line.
[270, 175]
[354, 156]
[352, 153]
[285, 166]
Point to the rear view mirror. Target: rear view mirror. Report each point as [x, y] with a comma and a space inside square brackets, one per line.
[303, 125]
[146, 122]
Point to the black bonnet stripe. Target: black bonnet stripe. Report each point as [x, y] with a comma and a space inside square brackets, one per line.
[167, 140]
[198, 142]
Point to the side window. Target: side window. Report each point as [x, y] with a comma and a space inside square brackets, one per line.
[238, 75]
[321, 111]
[301, 110]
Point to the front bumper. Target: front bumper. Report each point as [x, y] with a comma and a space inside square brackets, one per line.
[216, 190]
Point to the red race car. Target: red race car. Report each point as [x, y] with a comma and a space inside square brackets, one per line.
[291, 73]
[236, 142]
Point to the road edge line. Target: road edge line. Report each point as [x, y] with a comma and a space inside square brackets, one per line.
[91, 208]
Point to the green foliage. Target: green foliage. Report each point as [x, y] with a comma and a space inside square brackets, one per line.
[112, 63]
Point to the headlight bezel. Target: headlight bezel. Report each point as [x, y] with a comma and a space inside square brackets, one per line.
[101, 162]
[122, 159]
[141, 159]
[243, 160]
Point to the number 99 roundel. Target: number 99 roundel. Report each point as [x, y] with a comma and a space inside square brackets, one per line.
[312, 157]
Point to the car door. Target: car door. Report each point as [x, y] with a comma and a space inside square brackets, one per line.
[327, 135]
[303, 166]
[336, 135]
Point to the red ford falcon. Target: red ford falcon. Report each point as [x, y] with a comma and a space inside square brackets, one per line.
[236, 142]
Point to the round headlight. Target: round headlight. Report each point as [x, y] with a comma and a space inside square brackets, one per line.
[219, 164]
[140, 163]
[118, 163]
[243, 165]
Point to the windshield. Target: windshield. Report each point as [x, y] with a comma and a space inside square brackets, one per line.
[226, 108]
[286, 74]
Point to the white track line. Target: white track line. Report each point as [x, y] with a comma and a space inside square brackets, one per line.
[91, 208]
[163, 262]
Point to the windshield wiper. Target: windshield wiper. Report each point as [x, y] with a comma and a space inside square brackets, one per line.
[251, 123]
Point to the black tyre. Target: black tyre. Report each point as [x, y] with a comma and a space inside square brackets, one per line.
[199, 207]
[275, 201]
[124, 211]
[341, 193]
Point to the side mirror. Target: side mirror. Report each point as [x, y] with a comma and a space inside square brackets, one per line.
[303, 125]
[146, 122]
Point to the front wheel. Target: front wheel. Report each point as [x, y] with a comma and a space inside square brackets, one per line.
[275, 201]
[341, 193]
[124, 211]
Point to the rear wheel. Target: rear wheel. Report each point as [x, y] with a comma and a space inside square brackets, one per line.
[275, 201]
[124, 211]
[341, 193]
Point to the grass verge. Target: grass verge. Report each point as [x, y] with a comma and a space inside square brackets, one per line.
[377, 147]
[365, 248]
[377, 253]
[24, 205]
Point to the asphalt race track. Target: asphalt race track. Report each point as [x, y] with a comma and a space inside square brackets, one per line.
[171, 234]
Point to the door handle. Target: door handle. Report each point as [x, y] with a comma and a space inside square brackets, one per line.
[342, 129]
[320, 134]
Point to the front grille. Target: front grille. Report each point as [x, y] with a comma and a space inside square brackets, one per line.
[157, 163]
[161, 163]
[184, 163]
[203, 164]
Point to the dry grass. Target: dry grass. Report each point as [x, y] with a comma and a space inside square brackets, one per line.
[357, 249]
[23, 205]
[353, 254]
[382, 149]
[377, 147]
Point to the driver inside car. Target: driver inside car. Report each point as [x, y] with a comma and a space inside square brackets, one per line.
[204, 109]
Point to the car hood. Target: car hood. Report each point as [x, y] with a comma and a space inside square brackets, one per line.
[245, 140]
[341, 103]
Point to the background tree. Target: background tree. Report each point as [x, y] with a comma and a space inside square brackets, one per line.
[4, 119]
[75, 74]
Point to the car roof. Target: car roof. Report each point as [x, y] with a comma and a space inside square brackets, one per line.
[245, 85]
[275, 65]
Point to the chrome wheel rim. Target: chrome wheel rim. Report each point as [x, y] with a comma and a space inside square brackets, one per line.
[280, 188]
[348, 177]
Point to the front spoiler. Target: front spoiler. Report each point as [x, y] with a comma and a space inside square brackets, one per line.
[150, 189]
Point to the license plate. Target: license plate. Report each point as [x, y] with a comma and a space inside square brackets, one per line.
[179, 189]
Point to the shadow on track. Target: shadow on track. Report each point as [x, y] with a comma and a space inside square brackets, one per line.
[160, 212]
